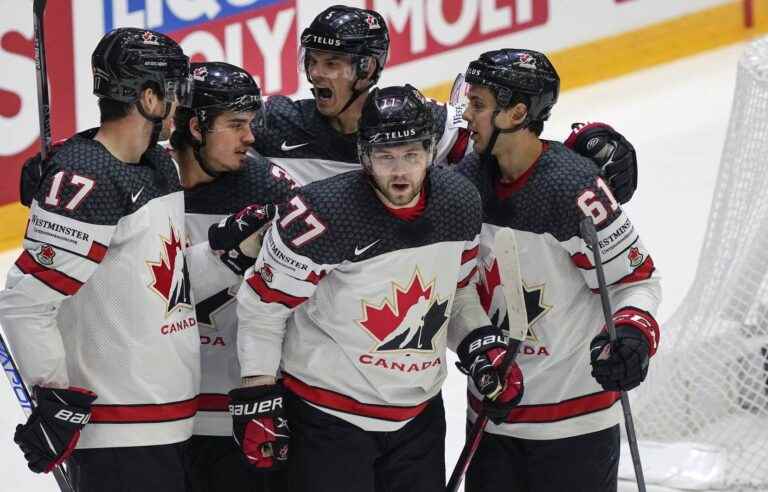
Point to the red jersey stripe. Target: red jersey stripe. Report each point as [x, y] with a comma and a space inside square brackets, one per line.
[133, 414]
[212, 402]
[554, 412]
[97, 252]
[459, 148]
[469, 254]
[643, 272]
[337, 401]
[582, 261]
[60, 282]
[268, 295]
[467, 279]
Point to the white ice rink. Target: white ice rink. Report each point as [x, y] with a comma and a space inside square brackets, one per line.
[675, 115]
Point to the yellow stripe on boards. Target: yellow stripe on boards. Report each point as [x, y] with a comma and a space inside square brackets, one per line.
[13, 218]
[666, 41]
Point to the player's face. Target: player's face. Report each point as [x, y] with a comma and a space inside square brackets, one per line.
[399, 171]
[228, 140]
[332, 75]
[479, 115]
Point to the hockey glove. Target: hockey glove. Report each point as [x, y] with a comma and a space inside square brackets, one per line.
[612, 153]
[53, 429]
[236, 228]
[623, 365]
[260, 425]
[481, 355]
[32, 173]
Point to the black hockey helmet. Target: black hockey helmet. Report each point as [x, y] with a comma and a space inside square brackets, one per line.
[349, 30]
[393, 116]
[219, 87]
[517, 75]
[127, 59]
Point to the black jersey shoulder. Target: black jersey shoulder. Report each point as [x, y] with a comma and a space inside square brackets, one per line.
[296, 130]
[548, 202]
[114, 188]
[354, 217]
[259, 181]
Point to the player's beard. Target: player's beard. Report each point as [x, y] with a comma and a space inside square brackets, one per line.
[399, 191]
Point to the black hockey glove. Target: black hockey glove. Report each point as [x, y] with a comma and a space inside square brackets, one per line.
[481, 354]
[53, 429]
[32, 173]
[260, 425]
[235, 228]
[623, 365]
[612, 153]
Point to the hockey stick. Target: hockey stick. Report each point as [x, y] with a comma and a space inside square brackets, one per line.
[25, 400]
[505, 249]
[43, 104]
[589, 233]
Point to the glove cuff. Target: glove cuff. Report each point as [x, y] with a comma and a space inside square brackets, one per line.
[642, 321]
[480, 340]
[580, 130]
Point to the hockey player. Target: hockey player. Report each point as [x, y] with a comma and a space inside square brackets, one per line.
[568, 417]
[381, 260]
[211, 139]
[98, 308]
[343, 52]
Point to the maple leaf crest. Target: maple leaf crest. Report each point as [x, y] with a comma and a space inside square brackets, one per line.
[410, 322]
[535, 308]
[170, 274]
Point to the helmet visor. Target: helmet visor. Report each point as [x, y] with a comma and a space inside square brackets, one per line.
[396, 157]
[326, 65]
[460, 93]
[180, 89]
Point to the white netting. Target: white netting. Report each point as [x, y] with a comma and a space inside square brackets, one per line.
[709, 383]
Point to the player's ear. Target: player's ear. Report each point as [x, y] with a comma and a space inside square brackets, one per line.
[512, 116]
[194, 128]
[150, 99]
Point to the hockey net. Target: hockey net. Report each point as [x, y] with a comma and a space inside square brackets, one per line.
[707, 391]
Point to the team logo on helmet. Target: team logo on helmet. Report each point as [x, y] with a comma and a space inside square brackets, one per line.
[373, 22]
[525, 60]
[200, 73]
[150, 38]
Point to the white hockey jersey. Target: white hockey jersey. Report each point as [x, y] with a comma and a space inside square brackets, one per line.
[370, 294]
[258, 182]
[547, 203]
[100, 297]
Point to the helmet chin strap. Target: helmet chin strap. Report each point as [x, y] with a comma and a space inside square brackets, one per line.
[488, 152]
[157, 121]
[207, 169]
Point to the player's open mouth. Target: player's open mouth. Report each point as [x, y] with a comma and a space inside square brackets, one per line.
[400, 186]
[323, 93]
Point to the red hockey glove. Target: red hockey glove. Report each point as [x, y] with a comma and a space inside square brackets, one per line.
[623, 365]
[481, 355]
[236, 228]
[260, 425]
[53, 429]
[612, 153]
